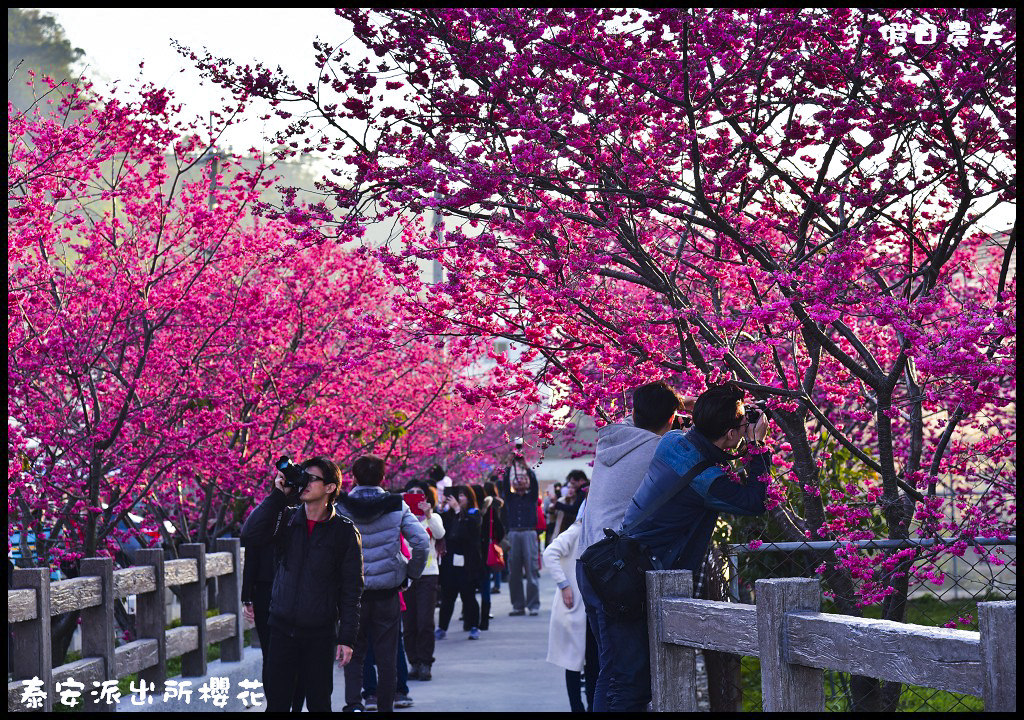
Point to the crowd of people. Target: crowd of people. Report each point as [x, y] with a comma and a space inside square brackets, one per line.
[356, 577]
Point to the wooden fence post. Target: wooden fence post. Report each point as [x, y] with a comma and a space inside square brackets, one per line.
[30, 644]
[673, 667]
[193, 610]
[997, 622]
[151, 615]
[229, 599]
[786, 687]
[98, 629]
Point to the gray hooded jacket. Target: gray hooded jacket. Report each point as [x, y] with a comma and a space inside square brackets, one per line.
[624, 453]
[381, 519]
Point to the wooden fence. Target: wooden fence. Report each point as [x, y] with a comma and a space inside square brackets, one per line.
[34, 599]
[796, 643]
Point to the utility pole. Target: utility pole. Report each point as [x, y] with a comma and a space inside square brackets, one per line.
[438, 231]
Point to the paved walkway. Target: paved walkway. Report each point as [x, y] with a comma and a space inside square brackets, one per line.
[503, 671]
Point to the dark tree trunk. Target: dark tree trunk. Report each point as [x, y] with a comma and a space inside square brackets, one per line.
[62, 627]
[725, 685]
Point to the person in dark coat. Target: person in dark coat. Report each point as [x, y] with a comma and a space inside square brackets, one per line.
[462, 565]
[491, 530]
[257, 587]
[318, 580]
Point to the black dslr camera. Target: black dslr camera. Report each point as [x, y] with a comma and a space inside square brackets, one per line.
[754, 410]
[294, 476]
[681, 422]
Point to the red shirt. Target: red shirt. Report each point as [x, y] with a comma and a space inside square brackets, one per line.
[310, 524]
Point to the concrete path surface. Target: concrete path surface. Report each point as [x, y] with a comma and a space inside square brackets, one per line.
[503, 671]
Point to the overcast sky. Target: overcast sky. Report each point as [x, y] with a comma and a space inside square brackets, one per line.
[116, 40]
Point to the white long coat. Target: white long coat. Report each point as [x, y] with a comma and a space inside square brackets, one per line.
[567, 633]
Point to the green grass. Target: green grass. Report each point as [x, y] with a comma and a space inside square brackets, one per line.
[929, 611]
[173, 666]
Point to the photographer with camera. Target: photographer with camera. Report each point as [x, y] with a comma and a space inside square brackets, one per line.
[519, 516]
[257, 589]
[674, 511]
[314, 605]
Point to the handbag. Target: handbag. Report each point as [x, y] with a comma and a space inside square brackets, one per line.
[616, 566]
[495, 555]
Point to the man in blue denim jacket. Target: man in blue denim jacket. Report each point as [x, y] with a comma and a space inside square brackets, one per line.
[679, 531]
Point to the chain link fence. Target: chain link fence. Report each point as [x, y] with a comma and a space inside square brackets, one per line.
[986, 571]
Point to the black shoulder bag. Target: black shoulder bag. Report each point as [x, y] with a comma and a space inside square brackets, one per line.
[616, 565]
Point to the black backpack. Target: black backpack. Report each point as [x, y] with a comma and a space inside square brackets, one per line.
[616, 565]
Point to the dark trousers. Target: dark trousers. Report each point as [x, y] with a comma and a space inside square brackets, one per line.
[379, 624]
[591, 667]
[458, 582]
[624, 680]
[370, 672]
[418, 620]
[484, 584]
[261, 616]
[290, 658]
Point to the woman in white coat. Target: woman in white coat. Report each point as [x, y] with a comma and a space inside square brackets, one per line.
[570, 643]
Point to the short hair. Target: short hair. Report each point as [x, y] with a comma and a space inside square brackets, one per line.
[716, 411]
[368, 470]
[654, 404]
[417, 484]
[436, 474]
[576, 475]
[331, 473]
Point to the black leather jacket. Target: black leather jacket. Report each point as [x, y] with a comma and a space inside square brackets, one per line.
[319, 577]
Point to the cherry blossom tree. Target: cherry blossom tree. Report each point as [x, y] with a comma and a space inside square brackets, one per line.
[165, 345]
[792, 198]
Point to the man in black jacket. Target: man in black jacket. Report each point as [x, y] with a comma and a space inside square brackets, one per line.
[318, 581]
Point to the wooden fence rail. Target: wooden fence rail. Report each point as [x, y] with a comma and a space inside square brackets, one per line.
[796, 643]
[34, 599]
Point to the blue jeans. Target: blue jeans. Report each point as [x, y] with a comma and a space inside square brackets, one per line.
[624, 678]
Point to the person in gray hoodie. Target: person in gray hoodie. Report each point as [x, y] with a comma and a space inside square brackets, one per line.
[624, 452]
[382, 520]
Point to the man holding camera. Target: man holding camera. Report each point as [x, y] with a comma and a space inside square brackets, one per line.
[521, 493]
[314, 606]
[675, 519]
